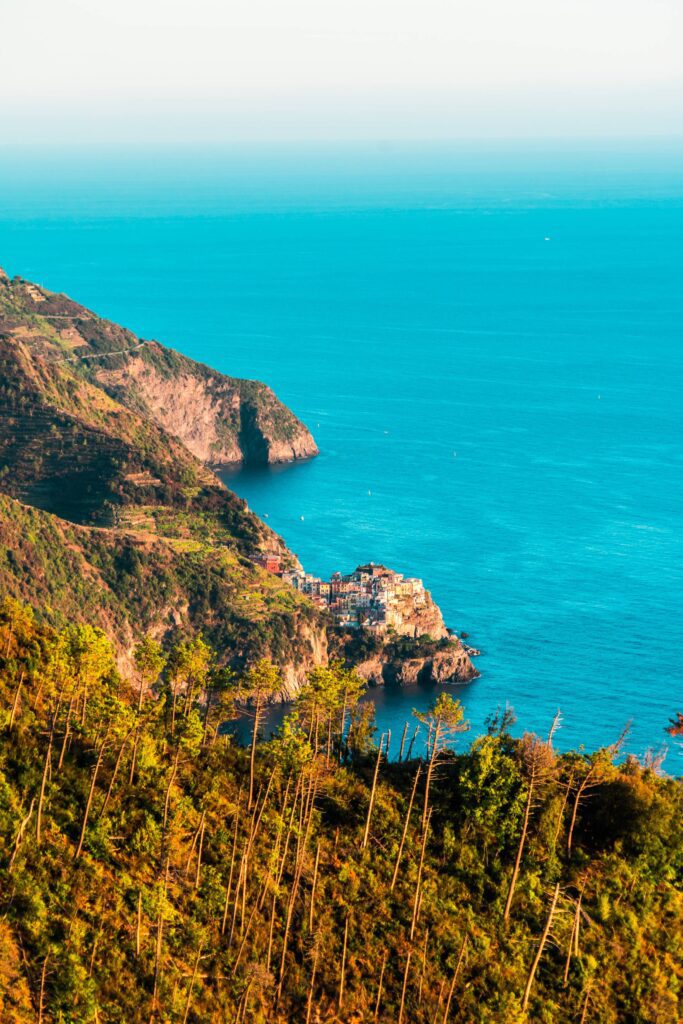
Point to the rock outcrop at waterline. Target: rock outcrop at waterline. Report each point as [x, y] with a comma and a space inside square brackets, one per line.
[449, 664]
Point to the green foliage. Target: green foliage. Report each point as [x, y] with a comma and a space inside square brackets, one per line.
[186, 906]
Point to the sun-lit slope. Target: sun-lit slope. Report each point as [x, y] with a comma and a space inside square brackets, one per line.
[116, 520]
[163, 573]
[222, 420]
[139, 881]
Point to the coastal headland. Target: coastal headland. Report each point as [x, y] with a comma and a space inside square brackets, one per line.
[110, 510]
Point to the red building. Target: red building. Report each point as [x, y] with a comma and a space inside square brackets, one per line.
[270, 562]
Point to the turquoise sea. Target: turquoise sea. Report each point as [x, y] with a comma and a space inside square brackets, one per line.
[486, 342]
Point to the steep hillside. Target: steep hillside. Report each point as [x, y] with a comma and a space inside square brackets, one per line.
[222, 420]
[110, 512]
[167, 574]
[153, 872]
[105, 515]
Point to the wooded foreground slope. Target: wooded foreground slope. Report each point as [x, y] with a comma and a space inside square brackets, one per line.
[140, 882]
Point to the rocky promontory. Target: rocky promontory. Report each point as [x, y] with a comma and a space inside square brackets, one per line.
[110, 512]
[224, 421]
[402, 662]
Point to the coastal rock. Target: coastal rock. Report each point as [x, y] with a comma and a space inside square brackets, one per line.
[224, 421]
[449, 664]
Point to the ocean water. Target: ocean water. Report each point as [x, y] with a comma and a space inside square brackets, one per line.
[487, 345]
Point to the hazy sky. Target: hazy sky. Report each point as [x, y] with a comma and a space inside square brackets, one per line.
[146, 70]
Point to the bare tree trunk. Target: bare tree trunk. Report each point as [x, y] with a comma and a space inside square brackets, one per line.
[288, 834]
[328, 753]
[342, 977]
[274, 859]
[406, 825]
[311, 986]
[412, 740]
[271, 929]
[379, 986]
[418, 884]
[193, 845]
[301, 848]
[313, 885]
[430, 769]
[316, 732]
[231, 872]
[15, 702]
[405, 986]
[456, 972]
[577, 799]
[584, 1011]
[560, 817]
[439, 1000]
[91, 793]
[423, 967]
[252, 757]
[520, 848]
[138, 928]
[159, 944]
[541, 946]
[10, 637]
[134, 757]
[207, 715]
[67, 734]
[403, 742]
[174, 686]
[84, 706]
[243, 875]
[553, 728]
[167, 800]
[136, 741]
[372, 794]
[573, 940]
[20, 835]
[41, 998]
[428, 744]
[342, 726]
[194, 978]
[46, 768]
[245, 937]
[199, 857]
[236, 899]
[117, 765]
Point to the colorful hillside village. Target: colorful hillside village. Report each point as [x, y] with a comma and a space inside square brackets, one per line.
[372, 596]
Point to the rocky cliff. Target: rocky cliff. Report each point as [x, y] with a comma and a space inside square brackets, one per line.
[450, 664]
[224, 421]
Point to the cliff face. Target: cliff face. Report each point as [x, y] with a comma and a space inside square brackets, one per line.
[224, 421]
[421, 618]
[445, 665]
